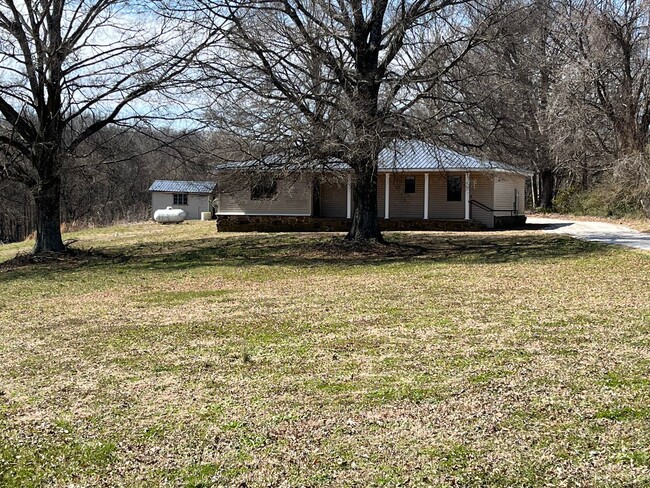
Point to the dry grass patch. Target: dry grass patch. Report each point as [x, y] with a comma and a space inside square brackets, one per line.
[177, 356]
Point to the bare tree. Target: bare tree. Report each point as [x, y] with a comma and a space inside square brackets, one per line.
[608, 81]
[614, 48]
[107, 179]
[315, 81]
[511, 111]
[68, 69]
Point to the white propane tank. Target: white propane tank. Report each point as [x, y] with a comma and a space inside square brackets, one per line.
[169, 215]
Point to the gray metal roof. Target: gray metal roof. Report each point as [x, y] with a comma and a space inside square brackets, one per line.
[422, 156]
[411, 156]
[170, 186]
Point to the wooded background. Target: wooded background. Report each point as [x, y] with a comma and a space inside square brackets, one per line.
[558, 87]
[110, 184]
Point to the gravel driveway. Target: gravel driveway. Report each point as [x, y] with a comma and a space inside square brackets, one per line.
[595, 231]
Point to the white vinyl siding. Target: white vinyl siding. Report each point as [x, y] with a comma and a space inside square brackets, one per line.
[482, 190]
[333, 200]
[292, 198]
[404, 205]
[439, 207]
[195, 204]
[504, 193]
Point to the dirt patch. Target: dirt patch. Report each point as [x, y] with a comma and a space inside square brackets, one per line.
[640, 224]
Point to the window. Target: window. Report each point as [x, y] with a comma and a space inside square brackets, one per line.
[454, 188]
[180, 198]
[264, 189]
[409, 184]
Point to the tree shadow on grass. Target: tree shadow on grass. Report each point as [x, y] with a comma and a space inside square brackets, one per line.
[318, 250]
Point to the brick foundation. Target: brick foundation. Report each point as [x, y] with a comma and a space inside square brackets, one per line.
[272, 223]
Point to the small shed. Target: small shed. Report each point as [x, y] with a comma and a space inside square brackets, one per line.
[193, 197]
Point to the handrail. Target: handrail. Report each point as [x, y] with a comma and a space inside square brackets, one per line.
[480, 205]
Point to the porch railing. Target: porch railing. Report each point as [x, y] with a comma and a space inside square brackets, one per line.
[473, 203]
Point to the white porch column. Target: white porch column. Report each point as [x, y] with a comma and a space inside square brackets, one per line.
[467, 183]
[426, 196]
[349, 197]
[387, 197]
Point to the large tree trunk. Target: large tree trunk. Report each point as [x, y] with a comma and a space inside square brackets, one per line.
[365, 225]
[48, 220]
[547, 188]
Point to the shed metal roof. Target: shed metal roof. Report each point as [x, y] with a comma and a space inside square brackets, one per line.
[171, 186]
[400, 156]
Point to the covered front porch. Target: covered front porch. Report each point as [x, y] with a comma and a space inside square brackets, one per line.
[409, 196]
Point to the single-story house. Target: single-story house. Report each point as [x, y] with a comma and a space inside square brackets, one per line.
[193, 197]
[418, 184]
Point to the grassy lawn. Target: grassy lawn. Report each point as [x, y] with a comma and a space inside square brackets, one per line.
[177, 356]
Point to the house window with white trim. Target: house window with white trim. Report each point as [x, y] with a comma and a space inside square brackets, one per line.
[264, 189]
[180, 198]
[454, 188]
[409, 184]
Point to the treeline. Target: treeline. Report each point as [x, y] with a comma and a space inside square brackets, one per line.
[562, 88]
[108, 181]
[557, 86]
